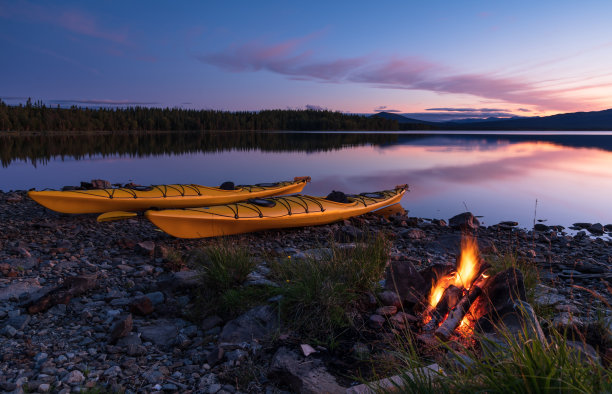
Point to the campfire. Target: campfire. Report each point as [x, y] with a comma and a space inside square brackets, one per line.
[453, 294]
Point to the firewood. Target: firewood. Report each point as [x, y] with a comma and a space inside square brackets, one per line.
[449, 299]
[457, 314]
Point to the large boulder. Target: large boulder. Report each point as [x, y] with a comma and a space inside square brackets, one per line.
[257, 323]
[404, 280]
[464, 221]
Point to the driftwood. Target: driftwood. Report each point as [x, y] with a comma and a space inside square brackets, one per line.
[457, 314]
[449, 299]
[72, 287]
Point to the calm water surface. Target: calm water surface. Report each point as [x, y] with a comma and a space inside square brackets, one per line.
[499, 177]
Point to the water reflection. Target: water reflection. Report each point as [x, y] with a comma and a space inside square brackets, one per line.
[499, 177]
[41, 148]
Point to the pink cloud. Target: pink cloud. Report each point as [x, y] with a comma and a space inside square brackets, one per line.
[409, 73]
[81, 23]
[72, 20]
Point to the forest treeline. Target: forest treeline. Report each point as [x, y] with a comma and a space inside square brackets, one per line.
[36, 116]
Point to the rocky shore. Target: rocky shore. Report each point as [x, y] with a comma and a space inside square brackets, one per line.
[103, 306]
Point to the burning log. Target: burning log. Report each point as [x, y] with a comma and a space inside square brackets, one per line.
[449, 299]
[457, 314]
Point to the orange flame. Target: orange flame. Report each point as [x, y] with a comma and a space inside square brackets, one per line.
[438, 289]
[469, 263]
[466, 272]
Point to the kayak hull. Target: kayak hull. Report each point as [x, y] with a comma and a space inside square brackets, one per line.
[160, 197]
[245, 217]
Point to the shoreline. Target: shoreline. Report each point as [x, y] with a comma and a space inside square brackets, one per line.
[70, 345]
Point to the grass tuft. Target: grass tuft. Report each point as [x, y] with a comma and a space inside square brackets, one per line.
[223, 266]
[320, 294]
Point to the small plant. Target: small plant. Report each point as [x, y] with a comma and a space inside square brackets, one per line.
[224, 266]
[501, 262]
[224, 269]
[174, 260]
[319, 294]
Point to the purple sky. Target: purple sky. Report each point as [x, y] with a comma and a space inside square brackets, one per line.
[436, 60]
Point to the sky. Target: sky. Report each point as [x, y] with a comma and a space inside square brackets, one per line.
[432, 60]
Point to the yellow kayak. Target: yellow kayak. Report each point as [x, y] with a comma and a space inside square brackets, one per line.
[158, 196]
[269, 213]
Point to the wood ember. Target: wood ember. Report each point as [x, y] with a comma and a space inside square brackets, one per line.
[455, 316]
[449, 299]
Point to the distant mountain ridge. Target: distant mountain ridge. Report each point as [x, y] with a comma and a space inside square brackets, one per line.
[399, 118]
[574, 121]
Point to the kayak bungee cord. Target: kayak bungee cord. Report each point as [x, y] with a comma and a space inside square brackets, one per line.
[306, 202]
[163, 189]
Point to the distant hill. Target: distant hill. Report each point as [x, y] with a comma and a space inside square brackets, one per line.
[397, 117]
[596, 120]
[405, 123]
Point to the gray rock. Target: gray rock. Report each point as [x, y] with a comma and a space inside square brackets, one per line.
[74, 377]
[566, 319]
[548, 299]
[146, 247]
[153, 376]
[349, 233]
[413, 233]
[180, 280]
[596, 229]
[257, 323]
[403, 279]
[19, 289]
[131, 338]
[360, 351]
[162, 333]
[376, 321]
[210, 322]
[41, 357]
[388, 310]
[541, 227]
[317, 254]
[583, 351]
[19, 322]
[390, 298]
[112, 372]
[9, 331]
[464, 221]
[157, 297]
[207, 382]
[303, 377]
[121, 328]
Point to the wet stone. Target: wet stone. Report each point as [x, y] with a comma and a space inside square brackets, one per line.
[376, 321]
[390, 298]
[388, 310]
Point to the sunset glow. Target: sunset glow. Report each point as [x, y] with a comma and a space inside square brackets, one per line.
[426, 60]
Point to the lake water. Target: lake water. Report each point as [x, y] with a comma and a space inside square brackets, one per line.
[498, 177]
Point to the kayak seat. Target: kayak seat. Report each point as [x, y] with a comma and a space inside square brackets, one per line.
[227, 186]
[337, 196]
[266, 184]
[262, 202]
[372, 195]
[140, 188]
